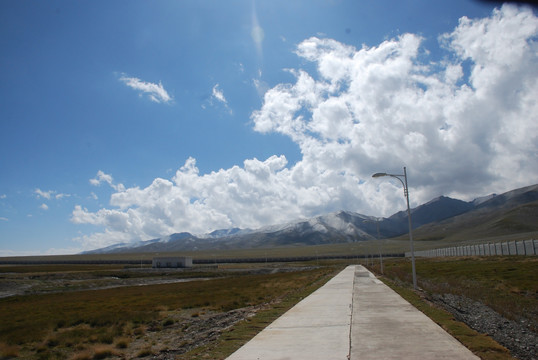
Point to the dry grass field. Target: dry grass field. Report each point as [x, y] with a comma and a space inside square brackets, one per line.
[138, 321]
[110, 311]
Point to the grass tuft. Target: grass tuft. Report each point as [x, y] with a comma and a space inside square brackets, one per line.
[82, 355]
[103, 352]
[147, 351]
[123, 343]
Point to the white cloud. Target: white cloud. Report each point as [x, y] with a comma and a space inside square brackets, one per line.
[44, 194]
[367, 110]
[261, 86]
[218, 94]
[155, 92]
[44, 206]
[102, 177]
[4, 219]
[257, 33]
[50, 194]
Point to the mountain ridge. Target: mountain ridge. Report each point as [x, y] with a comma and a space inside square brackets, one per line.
[346, 226]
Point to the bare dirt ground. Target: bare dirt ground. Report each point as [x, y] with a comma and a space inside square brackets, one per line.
[25, 284]
[17, 285]
[187, 332]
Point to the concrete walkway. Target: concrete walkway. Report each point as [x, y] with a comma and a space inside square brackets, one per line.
[353, 316]
[317, 328]
[385, 326]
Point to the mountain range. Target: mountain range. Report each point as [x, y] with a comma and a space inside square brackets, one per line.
[443, 217]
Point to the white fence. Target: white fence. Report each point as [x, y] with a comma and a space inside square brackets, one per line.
[526, 247]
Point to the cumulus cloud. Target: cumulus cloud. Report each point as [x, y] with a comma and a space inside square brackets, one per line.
[367, 110]
[379, 108]
[44, 206]
[155, 92]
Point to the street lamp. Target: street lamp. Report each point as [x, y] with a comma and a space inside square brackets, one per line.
[406, 194]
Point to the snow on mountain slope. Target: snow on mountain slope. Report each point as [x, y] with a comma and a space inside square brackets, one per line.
[337, 227]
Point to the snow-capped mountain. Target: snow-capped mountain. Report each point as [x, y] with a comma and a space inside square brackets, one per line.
[337, 227]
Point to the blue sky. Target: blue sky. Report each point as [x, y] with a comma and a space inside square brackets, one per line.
[129, 120]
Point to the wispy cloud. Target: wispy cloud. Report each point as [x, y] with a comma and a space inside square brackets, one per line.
[257, 33]
[44, 194]
[218, 94]
[4, 219]
[155, 92]
[49, 194]
[102, 177]
[44, 206]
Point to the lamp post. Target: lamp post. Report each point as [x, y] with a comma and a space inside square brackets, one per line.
[378, 243]
[406, 194]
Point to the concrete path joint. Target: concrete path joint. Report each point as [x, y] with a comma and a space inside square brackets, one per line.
[354, 316]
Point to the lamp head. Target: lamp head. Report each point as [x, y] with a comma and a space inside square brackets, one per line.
[379, 175]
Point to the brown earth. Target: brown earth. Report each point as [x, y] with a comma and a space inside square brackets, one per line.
[181, 333]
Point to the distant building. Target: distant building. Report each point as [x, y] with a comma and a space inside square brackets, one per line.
[172, 262]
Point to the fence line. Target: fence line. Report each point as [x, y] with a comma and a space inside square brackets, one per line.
[525, 248]
[15, 261]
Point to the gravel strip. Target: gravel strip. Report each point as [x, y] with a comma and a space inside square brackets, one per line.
[516, 336]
